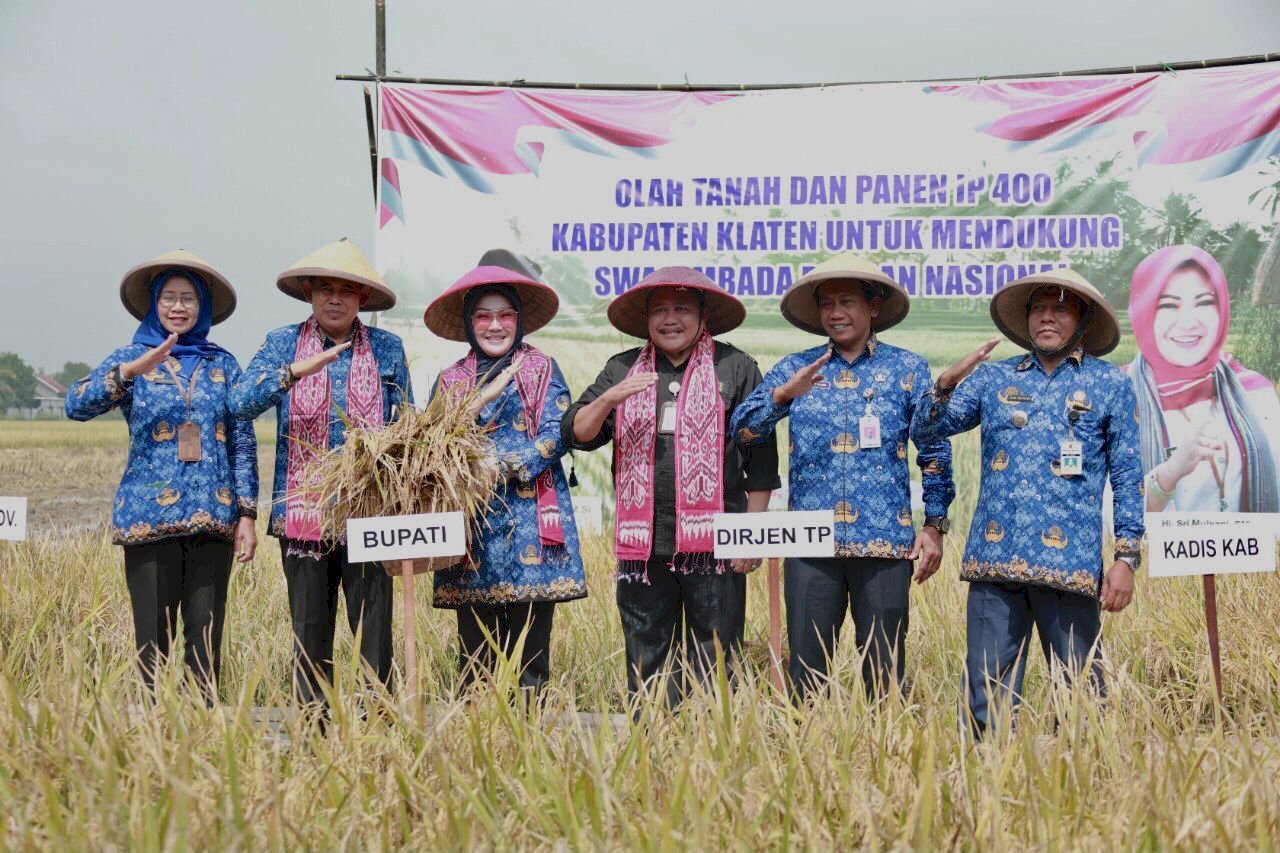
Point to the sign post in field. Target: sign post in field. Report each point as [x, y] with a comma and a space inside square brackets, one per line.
[774, 535]
[1209, 544]
[13, 519]
[402, 539]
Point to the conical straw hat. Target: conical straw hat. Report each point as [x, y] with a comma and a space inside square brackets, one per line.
[801, 308]
[629, 312]
[1009, 310]
[341, 260]
[538, 302]
[135, 287]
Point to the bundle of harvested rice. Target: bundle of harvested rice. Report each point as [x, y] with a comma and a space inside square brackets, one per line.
[435, 460]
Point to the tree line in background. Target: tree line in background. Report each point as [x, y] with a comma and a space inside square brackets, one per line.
[18, 380]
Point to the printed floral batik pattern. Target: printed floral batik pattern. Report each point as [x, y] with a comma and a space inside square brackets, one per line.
[1032, 524]
[159, 496]
[869, 488]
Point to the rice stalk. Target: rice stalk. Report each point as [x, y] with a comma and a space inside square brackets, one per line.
[434, 460]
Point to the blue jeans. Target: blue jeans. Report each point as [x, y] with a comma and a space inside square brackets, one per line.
[1000, 619]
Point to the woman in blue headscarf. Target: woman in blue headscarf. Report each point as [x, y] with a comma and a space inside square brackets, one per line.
[188, 500]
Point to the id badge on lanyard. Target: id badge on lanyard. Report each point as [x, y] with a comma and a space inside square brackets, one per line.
[868, 430]
[667, 418]
[868, 424]
[1071, 458]
[667, 411]
[188, 431]
[1070, 450]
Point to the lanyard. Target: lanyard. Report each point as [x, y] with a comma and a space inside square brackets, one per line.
[188, 393]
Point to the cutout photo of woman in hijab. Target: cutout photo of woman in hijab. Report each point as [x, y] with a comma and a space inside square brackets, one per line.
[1210, 427]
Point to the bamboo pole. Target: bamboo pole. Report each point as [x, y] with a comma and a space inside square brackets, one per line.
[373, 141]
[751, 87]
[380, 36]
[775, 625]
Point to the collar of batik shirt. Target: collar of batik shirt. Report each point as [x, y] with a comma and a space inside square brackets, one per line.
[873, 343]
[1032, 359]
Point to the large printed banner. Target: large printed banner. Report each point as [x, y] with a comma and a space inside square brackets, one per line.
[1161, 188]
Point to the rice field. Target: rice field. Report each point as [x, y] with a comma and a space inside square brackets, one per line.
[87, 763]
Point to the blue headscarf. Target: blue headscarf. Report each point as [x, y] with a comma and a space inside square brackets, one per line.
[192, 345]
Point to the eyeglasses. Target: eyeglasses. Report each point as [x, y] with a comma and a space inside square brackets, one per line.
[484, 319]
[188, 300]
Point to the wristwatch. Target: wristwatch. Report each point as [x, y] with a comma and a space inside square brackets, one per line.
[941, 522]
[1134, 559]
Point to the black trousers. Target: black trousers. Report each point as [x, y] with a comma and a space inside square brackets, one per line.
[671, 626]
[504, 624]
[313, 605]
[818, 592]
[185, 575]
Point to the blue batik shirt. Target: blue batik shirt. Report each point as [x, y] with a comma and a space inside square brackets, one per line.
[869, 488]
[509, 562]
[265, 383]
[159, 496]
[1033, 525]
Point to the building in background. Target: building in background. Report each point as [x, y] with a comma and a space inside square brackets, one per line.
[50, 397]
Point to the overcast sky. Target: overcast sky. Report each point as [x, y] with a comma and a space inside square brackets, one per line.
[128, 128]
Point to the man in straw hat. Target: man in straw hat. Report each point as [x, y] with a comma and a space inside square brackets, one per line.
[306, 370]
[666, 407]
[1057, 423]
[850, 401]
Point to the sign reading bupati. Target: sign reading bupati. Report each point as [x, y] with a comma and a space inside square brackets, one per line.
[1211, 543]
[775, 534]
[13, 519]
[406, 537]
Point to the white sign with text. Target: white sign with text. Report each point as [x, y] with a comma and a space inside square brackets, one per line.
[588, 512]
[406, 537]
[1211, 543]
[775, 534]
[13, 519]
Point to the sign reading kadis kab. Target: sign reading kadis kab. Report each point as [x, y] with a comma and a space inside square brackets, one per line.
[406, 537]
[775, 534]
[13, 519]
[1211, 543]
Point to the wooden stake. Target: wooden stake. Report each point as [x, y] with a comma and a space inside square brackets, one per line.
[775, 625]
[410, 637]
[1211, 623]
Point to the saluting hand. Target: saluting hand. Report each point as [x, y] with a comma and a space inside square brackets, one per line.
[316, 363]
[801, 382]
[629, 387]
[953, 375]
[149, 360]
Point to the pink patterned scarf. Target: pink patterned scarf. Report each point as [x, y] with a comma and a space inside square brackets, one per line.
[310, 410]
[699, 461]
[532, 382]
